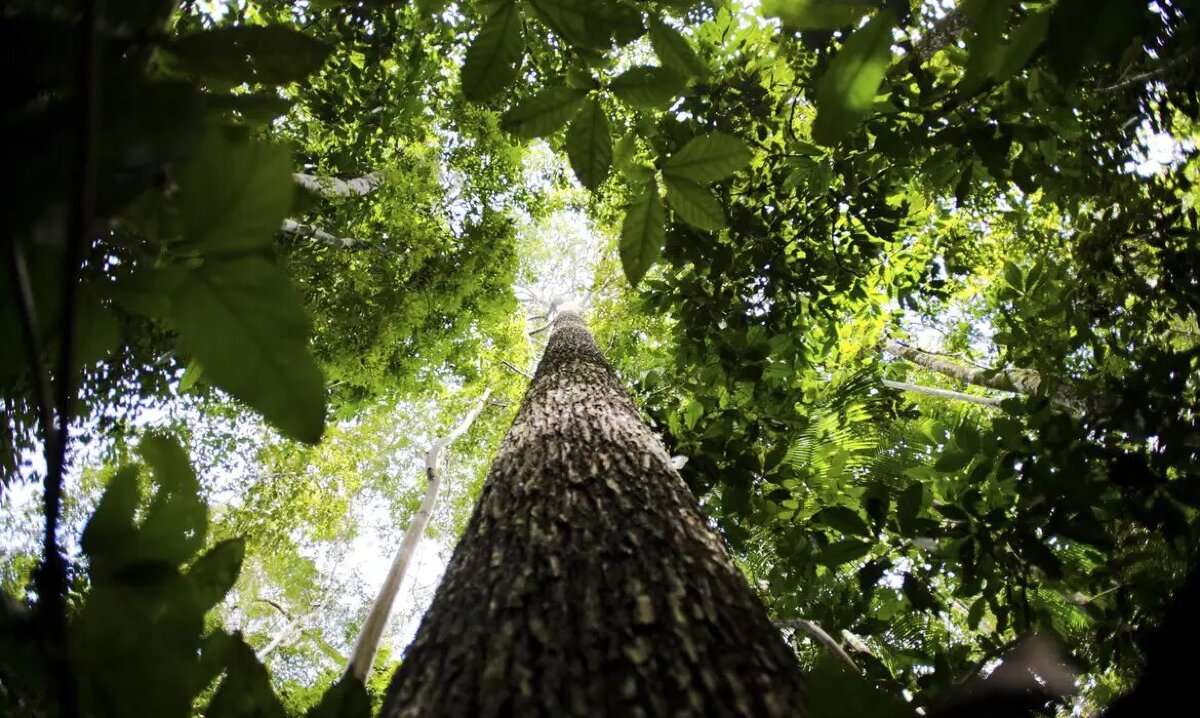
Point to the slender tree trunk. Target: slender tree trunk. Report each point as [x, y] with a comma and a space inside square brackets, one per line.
[943, 393]
[367, 644]
[333, 187]
[588, 582]
[308, 231]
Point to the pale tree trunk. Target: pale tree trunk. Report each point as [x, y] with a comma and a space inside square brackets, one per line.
[333, 187]
[368, 640]
[1019, 381]
[588, 582]
[943, 393]
[308, 231]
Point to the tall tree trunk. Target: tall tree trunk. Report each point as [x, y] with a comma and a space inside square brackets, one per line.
[367, 644]
[588, 582]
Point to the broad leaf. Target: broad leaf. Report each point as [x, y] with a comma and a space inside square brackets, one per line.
[649, 87]
[246, 326]
[835, 692]
[816, 14]
[846, 92]
[673, 49]
[246, 691]
[708, 158]
[985, 44]
[544, 113]
[214, 573]
[233, 194]
[845, 551]
[111, 524]
[1023, 43]
[589, 145]
[494, 57]
[347, 698]
[274, 54]
[843, 519]
[253, 108]
[642, 233]
[176, 521]
[694, 204]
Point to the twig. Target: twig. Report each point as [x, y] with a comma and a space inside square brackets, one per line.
[540, 329]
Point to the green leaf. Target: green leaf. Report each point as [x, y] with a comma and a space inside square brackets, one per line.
[649, 87]
[952, 460]
[544, 113]
[843, 519]
[815, 14]
[274, 54]
[347, 698]
[625, 159]
[246, 691]
[246, 326]
[975, 613]
[985, 43]
[233, 195]
[845, 551]
[494, 58]
[708, 158]
[191, 375]
[214, 573]
[1023, 43]
[694, 204]
[253, 108]
[846, 92]
[835, 692]
[642, 233]
[111, 524]
[918, 594]
[673, 50]
[589, 145]
[177, 519]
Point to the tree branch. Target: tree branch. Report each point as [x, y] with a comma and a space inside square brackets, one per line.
[819, 634]
[308, 231]
[332, 187]
[943, 393]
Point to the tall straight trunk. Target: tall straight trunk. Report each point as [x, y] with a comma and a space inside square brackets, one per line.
[588, 582]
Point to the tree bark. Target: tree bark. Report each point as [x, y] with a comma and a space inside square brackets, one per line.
[367, 644]
[943, 393]
[588, 582]
[308, 231]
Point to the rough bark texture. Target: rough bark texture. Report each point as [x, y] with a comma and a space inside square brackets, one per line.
[588, 582]
[333, 187]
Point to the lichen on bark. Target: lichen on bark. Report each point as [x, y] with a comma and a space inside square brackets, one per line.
[588, 582]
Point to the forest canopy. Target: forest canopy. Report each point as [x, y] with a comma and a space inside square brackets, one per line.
[907, 290]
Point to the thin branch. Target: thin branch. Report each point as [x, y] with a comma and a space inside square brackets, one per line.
[23, 289]
[541, 329]
[819, 634]
[943, 393]
[1150, 74]
[516, 369]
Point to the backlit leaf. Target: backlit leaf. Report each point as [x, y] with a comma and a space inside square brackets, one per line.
[846, 92]
[642, 233]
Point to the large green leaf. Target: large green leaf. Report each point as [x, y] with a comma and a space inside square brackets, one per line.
[642, 233]
[647, 86]
[835, 692]
[544, 113]
[274, 54]
[245, 691]
[494, 57]
[111, 525]
[708, 158]
[589, 145]
[246, 326]
[843, 519]
[985, 44]
[694, 204]
[846, 92]
[673, 49]
[845, 551]
[587, 24]
[816, 14]
[233, 194]
[214, 573]
[176, 521]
